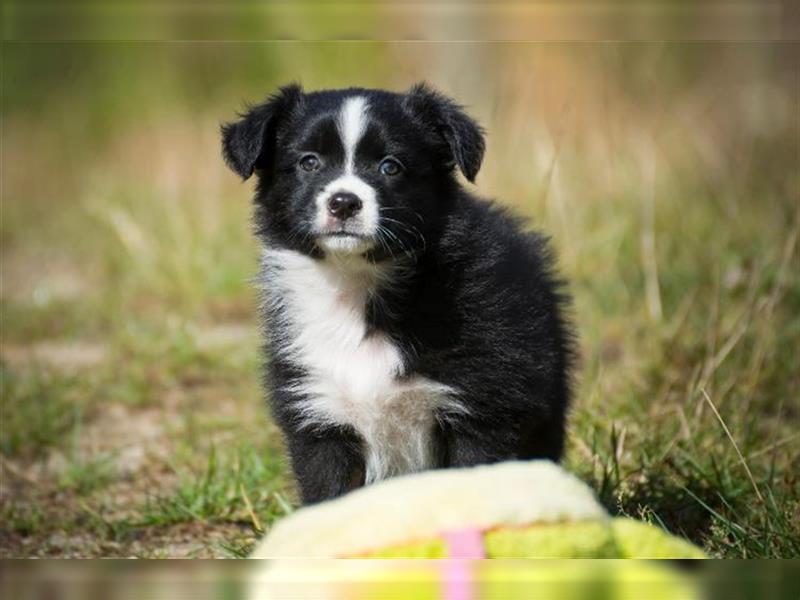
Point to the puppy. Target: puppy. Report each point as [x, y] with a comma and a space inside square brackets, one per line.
[409, 324]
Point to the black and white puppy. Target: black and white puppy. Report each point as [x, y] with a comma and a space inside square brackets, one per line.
[409, 324]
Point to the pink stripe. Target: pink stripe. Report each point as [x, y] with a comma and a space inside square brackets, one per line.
[464, 543]
[461, 545]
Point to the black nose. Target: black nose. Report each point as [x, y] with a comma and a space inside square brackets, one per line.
[344, 205]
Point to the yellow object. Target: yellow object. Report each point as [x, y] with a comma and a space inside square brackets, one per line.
[532, 509]
[514, 510]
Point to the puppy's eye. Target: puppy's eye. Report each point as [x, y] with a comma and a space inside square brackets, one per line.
[309, 162]
[390, 166]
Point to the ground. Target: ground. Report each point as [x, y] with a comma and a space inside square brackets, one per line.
[133, 422]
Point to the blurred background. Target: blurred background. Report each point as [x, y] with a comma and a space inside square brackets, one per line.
[666, 173]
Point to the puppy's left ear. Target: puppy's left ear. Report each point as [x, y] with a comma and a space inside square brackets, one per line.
[248, 143]
[448, 122]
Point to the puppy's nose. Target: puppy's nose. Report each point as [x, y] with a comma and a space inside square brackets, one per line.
[344, 205]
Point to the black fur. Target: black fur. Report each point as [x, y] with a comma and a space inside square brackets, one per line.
[480, 310]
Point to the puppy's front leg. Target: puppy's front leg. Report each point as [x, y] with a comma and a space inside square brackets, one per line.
[471, 444]
[327, 463]
[470, 449]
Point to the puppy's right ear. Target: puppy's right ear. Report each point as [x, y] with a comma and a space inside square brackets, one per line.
[247, 143]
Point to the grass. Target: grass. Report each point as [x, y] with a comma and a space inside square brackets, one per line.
[227, 489]
[132, 419]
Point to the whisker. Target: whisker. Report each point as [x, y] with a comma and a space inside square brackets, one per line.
[406, 208]
[382, 242]
[405, 248]
[410, 229]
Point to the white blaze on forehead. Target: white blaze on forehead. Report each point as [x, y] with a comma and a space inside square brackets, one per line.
[352, 122]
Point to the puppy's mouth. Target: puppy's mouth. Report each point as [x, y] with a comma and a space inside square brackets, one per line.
[343, 234]
[345, 242]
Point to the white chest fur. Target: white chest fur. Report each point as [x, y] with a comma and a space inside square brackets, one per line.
[352, 378]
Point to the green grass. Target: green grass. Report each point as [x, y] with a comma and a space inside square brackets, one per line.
[132, 418]
[38, 408]
[239, 486]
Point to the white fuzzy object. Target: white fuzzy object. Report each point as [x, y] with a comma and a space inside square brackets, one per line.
[424, 505]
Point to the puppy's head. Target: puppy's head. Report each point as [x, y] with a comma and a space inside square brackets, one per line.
[353, 171]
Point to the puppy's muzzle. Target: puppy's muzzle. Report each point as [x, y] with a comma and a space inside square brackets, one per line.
[344, 205]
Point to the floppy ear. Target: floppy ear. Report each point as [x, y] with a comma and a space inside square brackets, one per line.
[447, 120]
[247, 143]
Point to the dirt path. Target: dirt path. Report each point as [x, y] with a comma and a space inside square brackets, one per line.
[116, 483]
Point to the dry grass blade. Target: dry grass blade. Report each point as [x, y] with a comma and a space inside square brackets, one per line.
[773, 446]
[648, 235]
[11, 468]
[735, 445]
[253, 516]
